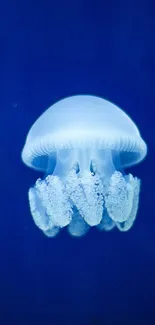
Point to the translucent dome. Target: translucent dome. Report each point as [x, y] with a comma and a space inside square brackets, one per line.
[83, 121]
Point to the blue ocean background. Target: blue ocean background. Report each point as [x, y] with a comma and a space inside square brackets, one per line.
[50, 50]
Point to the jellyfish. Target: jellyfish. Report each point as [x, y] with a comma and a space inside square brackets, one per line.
[83, 144]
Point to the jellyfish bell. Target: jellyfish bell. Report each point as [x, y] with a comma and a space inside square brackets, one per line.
[83, 145]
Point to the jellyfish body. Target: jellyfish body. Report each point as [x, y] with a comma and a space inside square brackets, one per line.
[83, 145]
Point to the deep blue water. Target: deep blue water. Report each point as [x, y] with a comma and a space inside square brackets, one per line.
[49, 50]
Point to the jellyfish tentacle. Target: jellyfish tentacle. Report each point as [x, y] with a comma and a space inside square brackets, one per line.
[82, 200]
[77, 227]
[75, 192]
[119, 197]
[129, 222]
[85, 192]
[106, 223]
[52, 197]
[38, 211]
[59, 207]
[93, 191]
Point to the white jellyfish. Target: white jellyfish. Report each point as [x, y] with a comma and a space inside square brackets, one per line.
[83, 144]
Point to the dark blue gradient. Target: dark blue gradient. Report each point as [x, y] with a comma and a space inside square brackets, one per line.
[50, 50]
